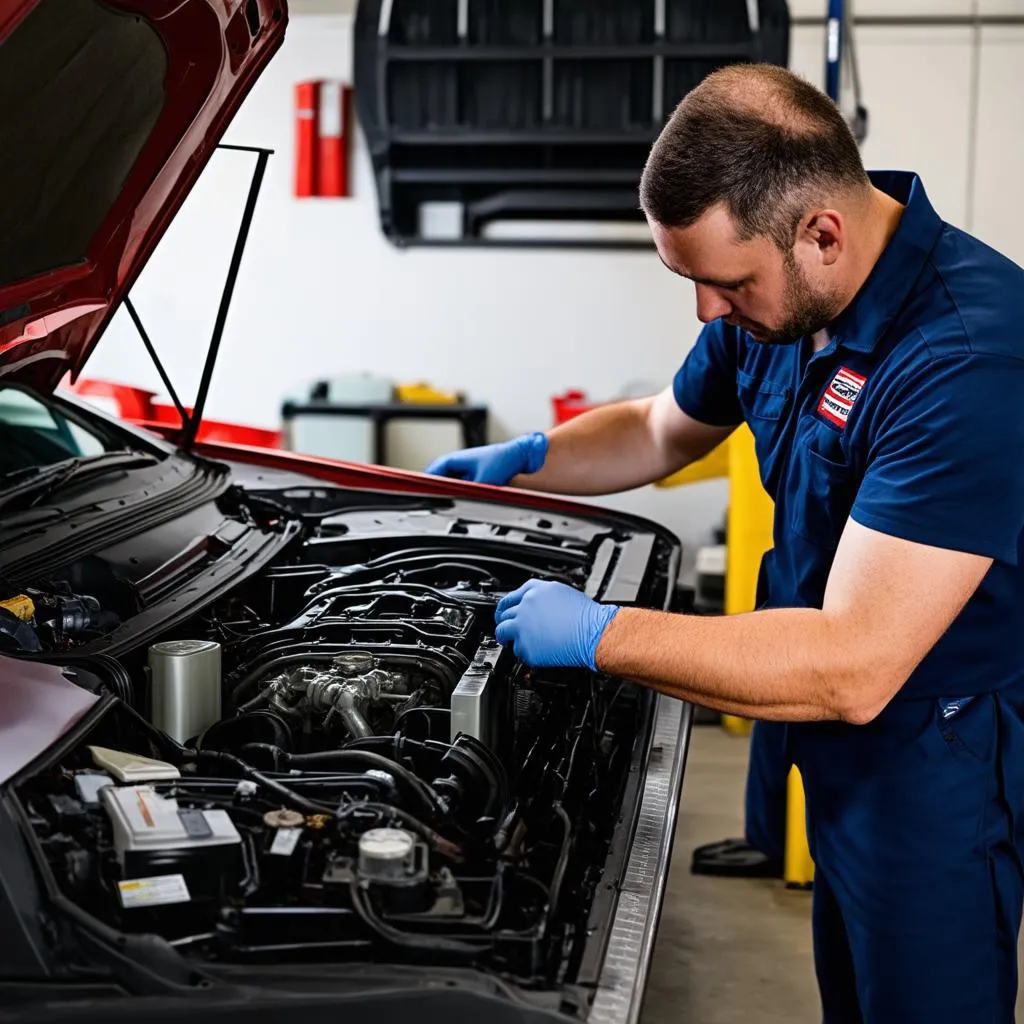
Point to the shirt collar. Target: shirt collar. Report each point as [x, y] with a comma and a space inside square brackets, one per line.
[863, 323]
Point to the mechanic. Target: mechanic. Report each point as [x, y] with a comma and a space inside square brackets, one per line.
[876, 353]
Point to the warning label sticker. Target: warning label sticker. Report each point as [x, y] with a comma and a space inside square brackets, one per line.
[152, 892]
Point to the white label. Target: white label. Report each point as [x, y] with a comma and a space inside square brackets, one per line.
[331, 113]
[285, 841]
[152, 892]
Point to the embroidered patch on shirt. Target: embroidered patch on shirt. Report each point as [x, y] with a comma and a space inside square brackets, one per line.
[836, 403]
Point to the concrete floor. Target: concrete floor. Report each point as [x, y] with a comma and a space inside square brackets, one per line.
[730, 950]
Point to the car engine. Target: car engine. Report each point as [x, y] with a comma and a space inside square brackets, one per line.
[336, 760]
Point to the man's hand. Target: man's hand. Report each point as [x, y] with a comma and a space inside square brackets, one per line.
[494, 463]
[551, 625]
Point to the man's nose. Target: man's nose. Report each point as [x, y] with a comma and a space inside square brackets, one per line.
[710, 304]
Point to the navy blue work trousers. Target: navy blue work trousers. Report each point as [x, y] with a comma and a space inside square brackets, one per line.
[765, 801]
[916, 824]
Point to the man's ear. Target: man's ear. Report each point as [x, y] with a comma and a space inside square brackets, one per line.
[826, 230]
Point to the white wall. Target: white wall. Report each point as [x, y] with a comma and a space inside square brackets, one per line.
[321, 292]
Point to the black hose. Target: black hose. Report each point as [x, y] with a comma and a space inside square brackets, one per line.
[563, 859]
[169, 747]
[426, 943]
[289, 796]
[504, 832]
[112, 672]
[208, 800]
[467, 755]
[223, 790]
[257, 725]
[428, 713]
[251, 881]
[429, 800]
[496, 900]
[566, 778]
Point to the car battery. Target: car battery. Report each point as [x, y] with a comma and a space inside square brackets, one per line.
[169, 854]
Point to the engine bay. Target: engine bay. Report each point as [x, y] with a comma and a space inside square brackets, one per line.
[336, 761]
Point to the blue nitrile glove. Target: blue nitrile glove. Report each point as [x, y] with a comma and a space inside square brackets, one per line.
[494, 463]
[551, 625]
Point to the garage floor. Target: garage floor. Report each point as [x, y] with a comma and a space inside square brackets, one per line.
[729, 950]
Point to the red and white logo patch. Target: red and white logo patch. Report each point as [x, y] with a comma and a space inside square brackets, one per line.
[836, 403]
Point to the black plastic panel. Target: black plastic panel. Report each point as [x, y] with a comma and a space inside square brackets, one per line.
[612, 96]
[492, 23]
[540, 110]
[604, 22]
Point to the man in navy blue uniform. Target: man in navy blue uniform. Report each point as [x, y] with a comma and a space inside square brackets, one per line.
[877, 355]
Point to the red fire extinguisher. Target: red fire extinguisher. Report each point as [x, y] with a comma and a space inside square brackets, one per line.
[321, 148]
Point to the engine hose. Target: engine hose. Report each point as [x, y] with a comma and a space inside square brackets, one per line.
[443, 716]
[360, 785]
[428, 943]
[430, 801]
[256, 727]
[110, 670]
[169, 748]
[504, 832]
[289, 796]
[569, 764]
[563, 859]
[497, 899]
[251, 882]
[467, 755]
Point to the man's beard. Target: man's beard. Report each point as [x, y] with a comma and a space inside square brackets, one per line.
[807, 311]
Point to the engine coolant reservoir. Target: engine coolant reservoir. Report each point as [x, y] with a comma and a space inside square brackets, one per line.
[185, 686]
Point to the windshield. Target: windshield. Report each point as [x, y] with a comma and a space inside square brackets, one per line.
[35, 433]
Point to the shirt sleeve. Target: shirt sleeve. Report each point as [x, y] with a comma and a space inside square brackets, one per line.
[705, 385]
[946, 463]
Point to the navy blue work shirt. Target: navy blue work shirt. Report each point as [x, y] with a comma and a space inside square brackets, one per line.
[911, 421]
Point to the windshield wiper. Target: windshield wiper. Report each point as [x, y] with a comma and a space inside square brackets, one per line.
[39, 482]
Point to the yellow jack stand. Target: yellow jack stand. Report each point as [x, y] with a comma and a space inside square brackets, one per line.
[749, 536]
[798, 867]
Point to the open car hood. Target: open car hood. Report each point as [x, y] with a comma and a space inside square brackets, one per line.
[116, 106]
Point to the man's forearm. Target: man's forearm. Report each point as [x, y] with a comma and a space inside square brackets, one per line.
[780, 665]
[603, 451]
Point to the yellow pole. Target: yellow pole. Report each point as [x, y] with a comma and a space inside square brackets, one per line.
[748, 537]
[798, 867]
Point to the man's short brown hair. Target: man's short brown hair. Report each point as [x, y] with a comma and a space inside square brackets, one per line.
[760, 140]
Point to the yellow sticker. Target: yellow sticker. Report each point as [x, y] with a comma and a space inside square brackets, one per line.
[153, 892]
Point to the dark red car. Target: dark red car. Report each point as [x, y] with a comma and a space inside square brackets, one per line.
[260, 752]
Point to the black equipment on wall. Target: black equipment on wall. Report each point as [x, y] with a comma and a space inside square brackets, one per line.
[538, 110]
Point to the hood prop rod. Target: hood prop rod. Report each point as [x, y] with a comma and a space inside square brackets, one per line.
[144, 335]
[191, 423]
